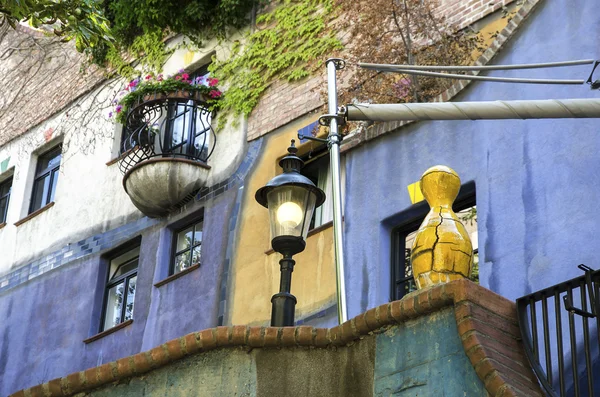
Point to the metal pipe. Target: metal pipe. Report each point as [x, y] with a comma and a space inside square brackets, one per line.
[391, 68]
[547, 349]
[534, 331]
[559, 340]
[489, 110]
[334, 153]
[489, 78]
[586, 340]
[573, 339]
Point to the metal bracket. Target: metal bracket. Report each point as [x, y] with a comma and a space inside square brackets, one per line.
[595, 84]
[326, 118]
[339, 63]
[588, 282]
[312, 138]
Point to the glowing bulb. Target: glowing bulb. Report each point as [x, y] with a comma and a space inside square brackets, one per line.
[289, 215]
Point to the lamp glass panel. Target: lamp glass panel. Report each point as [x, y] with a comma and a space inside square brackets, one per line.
[290, 211]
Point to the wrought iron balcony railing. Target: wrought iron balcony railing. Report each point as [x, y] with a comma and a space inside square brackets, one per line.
[560, 329]
[167, 125]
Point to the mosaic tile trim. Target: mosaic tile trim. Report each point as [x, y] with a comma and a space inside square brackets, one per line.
[75, 251]
[114, 237]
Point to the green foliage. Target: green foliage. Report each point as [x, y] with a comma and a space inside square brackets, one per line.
[140, 27]
[289, 44]
[82, 20]
[152, 85]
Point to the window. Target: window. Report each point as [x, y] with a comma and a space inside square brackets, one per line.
[187, 247]
[188, 126]
[318, 172]
[402, 281]
[120, 288]
[184, 127]
[5, 188]
[46, 177]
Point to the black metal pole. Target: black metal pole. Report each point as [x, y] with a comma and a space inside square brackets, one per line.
[284, 303]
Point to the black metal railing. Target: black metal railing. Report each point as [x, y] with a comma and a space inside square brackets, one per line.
[177, 125]
[560, 331]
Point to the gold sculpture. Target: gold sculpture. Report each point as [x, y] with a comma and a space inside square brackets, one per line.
[442, 250]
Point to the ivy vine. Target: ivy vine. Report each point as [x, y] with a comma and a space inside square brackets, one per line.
[289, 43]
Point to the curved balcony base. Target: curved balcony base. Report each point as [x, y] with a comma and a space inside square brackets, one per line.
[156, 186]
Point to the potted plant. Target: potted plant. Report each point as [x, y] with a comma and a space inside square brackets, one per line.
[150, 87]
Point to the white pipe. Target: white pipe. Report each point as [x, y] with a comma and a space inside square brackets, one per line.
[493, 110]
[334, 153]
[391, 68]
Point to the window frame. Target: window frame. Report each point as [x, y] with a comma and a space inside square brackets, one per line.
[174, 253]
[110, 283]
[6, 197]
[413, 217]
[40, 175]
[319, 154]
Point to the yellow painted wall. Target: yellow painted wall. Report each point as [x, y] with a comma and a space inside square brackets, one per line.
[256, 272]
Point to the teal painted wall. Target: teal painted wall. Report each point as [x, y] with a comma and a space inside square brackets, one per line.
[424, 357]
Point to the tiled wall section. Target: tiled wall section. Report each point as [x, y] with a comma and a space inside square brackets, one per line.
[114, 237]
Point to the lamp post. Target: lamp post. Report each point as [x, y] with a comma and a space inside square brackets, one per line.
[291, 199]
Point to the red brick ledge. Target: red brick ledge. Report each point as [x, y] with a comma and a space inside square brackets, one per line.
[487, 325]
[378, 129]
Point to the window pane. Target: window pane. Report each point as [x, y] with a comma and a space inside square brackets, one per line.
[5, 188]
[198, 234]
[49, 160]
[182, 262]
[125, 268]
[184, 239]
[40, 189]
[196, 255]
[114, 305]
[3, 209]
[53, 185]
[125, 258]
[130, 298]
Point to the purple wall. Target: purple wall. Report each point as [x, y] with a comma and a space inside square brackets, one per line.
[537, 181]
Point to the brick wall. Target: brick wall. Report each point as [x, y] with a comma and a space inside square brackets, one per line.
[465, 12]
[486, 323]
[39, 76]
[284, 102]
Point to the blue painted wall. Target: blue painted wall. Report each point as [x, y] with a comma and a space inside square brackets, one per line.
[537, 181]
[50, 306]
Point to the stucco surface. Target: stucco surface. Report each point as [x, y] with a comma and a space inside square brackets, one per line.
[536, 180]
[50, 316]
[256, 275]
[425, 357]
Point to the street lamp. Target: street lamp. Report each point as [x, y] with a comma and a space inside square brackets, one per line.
[291, 199]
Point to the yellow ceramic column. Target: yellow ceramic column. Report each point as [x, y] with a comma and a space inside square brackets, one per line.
[442, 250]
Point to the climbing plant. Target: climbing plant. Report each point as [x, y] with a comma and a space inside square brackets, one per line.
[289, 42]
[141, 27]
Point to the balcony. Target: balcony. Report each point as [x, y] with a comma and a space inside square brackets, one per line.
[167, 141]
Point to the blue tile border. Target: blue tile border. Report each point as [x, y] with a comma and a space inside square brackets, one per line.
[114, 237]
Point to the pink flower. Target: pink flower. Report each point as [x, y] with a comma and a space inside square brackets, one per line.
[160, 77]
[148, 77]
[185, 76]
[212, 82]
[215, 93]
[186, 81]
[178, 77]
[119, 108]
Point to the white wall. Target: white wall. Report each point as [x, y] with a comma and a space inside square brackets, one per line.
[89, 196]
